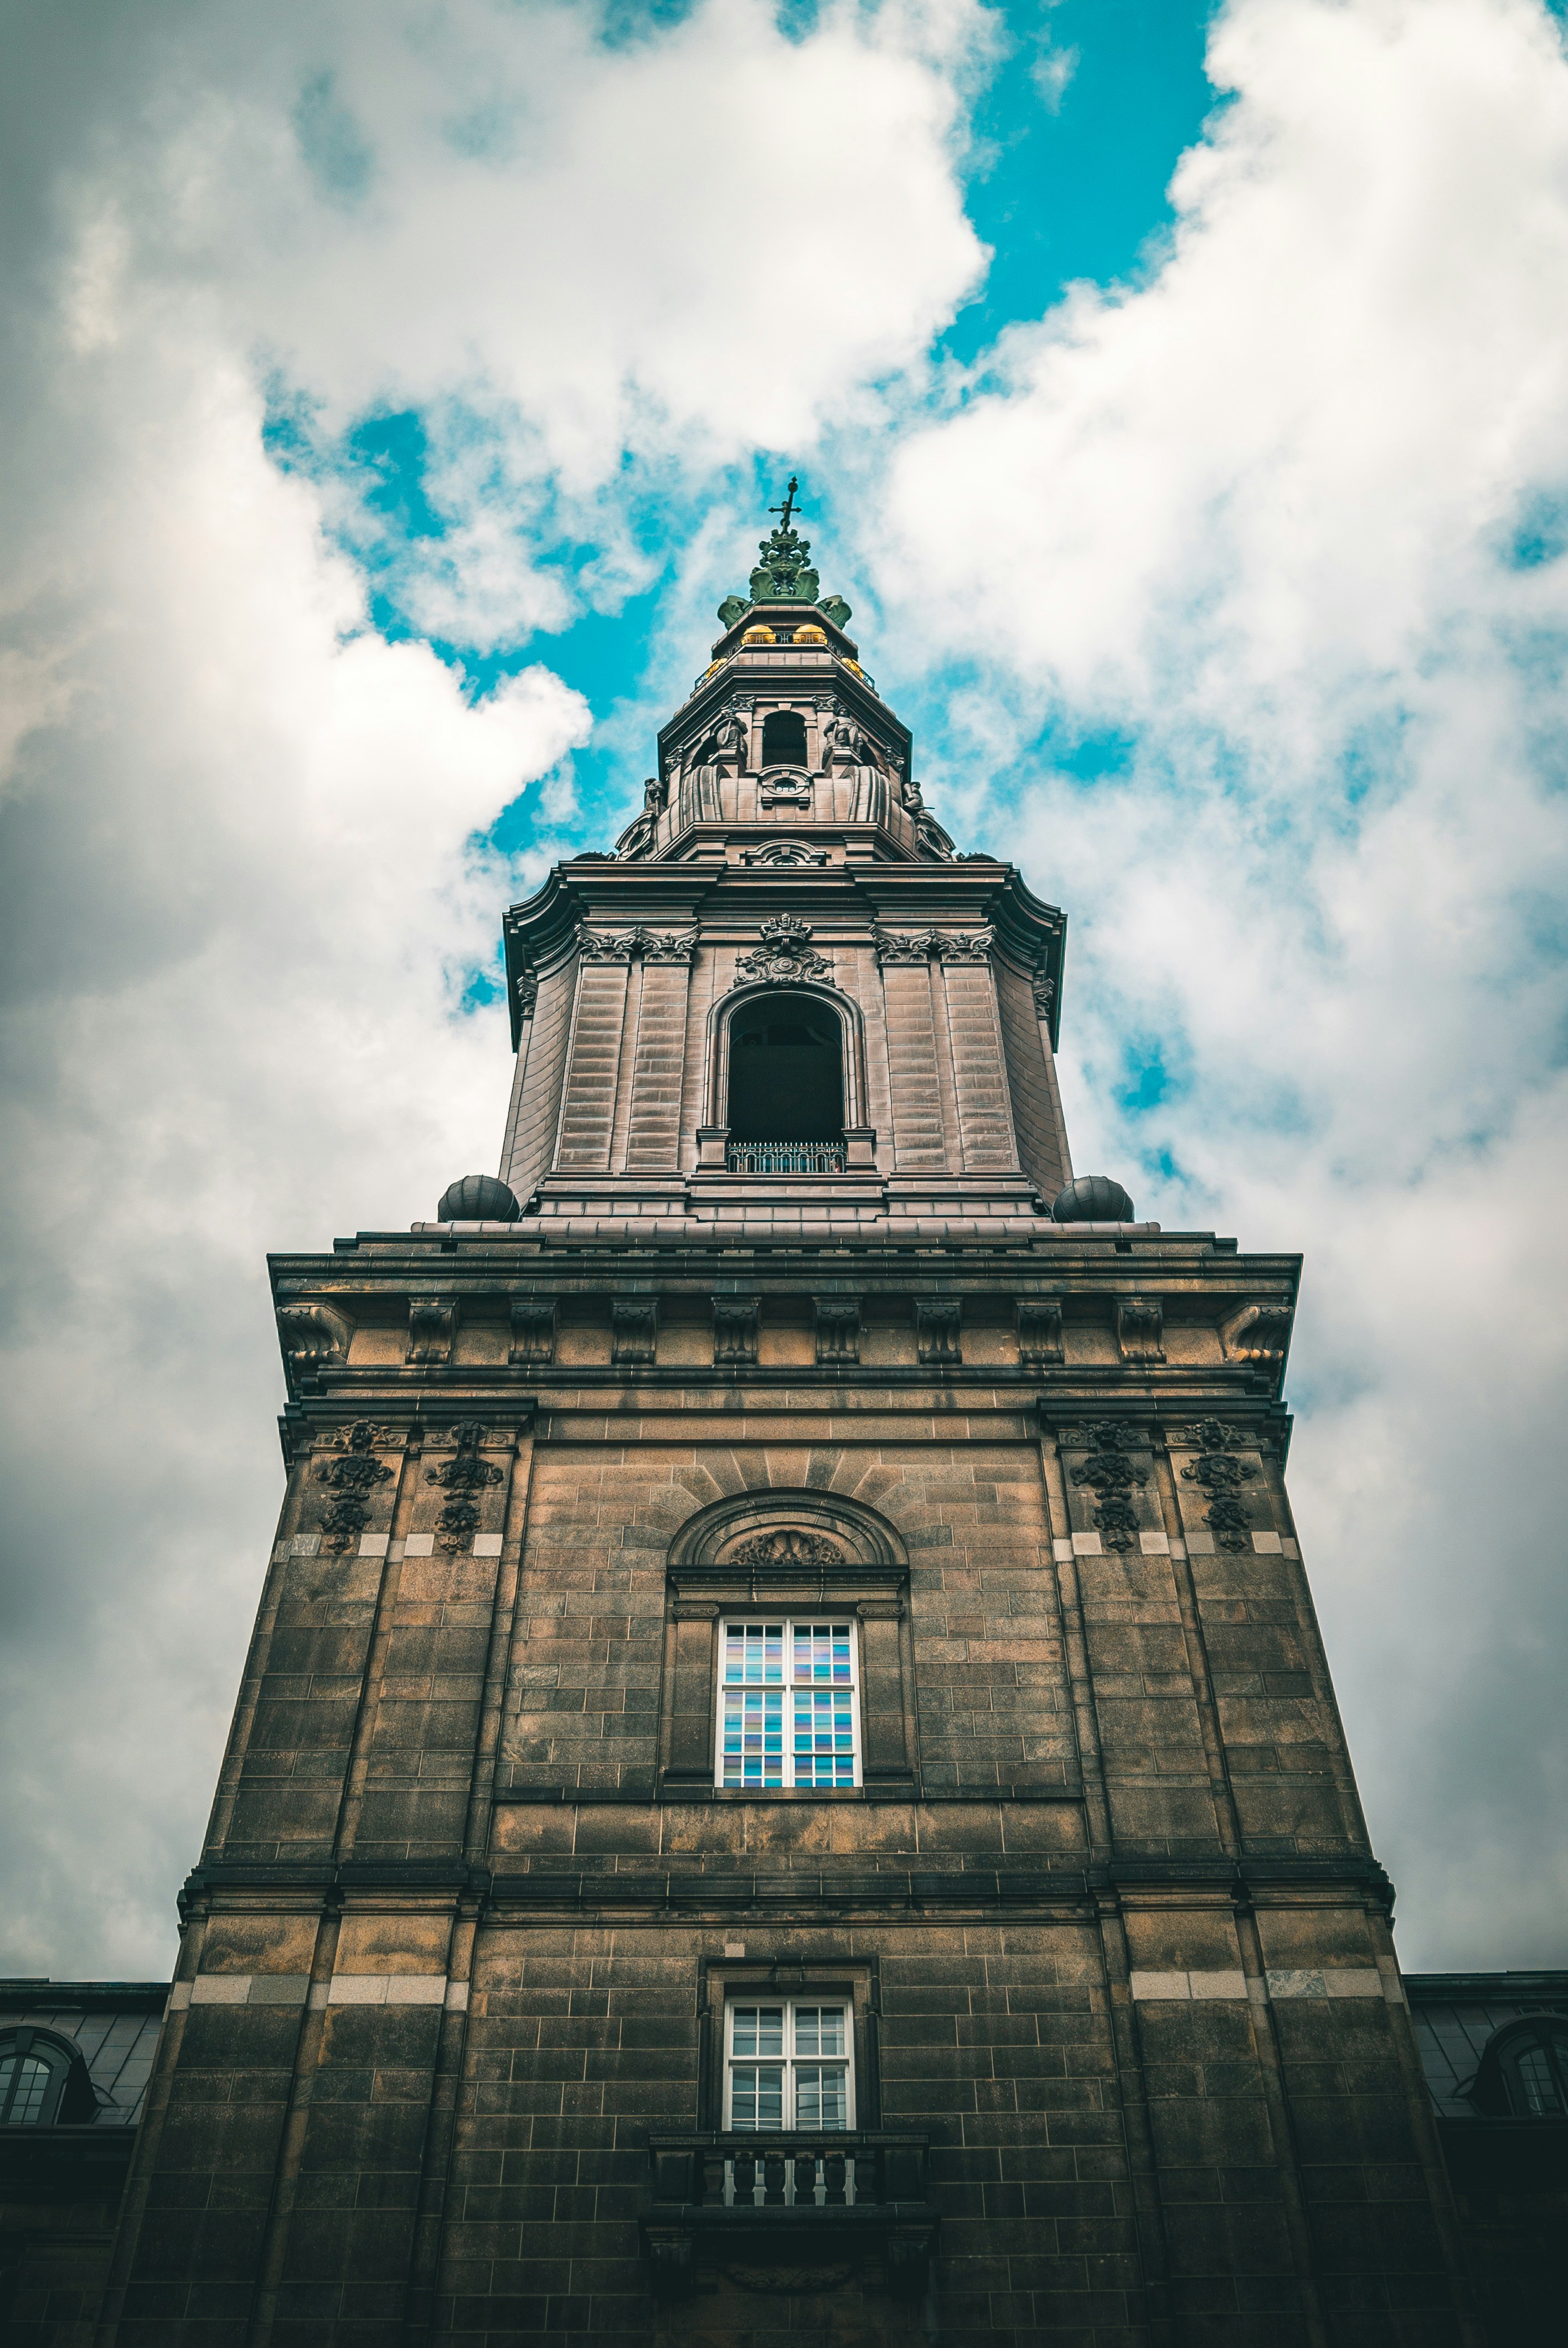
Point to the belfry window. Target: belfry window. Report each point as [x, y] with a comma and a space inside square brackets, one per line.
[784, 739]
[786, 1071]
[789, 1705]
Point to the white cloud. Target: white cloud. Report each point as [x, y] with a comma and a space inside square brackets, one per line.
[1257, 510]
[239, 821]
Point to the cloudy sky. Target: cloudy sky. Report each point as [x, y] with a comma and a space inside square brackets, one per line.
[1181, 394]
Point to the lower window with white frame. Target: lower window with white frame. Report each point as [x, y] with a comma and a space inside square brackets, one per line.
[789, 1705]
[787, 2066]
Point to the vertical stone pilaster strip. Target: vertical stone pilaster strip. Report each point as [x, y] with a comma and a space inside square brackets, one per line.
[918, 1137]
[150, 2136]
[588, 1104]
[353, 1801]
[1286, 2153]
[257, 1659]
[498, 1660]
[626, 1060]
[1137, 2129]
[1227, 1816]
[1069, 1601]
[296, 2120]
[980, 1069]
[952, 1135]
[441, 2130]
[653, 1137]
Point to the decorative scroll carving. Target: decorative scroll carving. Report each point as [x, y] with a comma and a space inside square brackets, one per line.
[784, 852]
[1256, 1333]
[784, 786]
[354, 1476]
[533, 1322]
[462, 1478]
[837, 1328]
[785, 952]
[926, 945]
[1141, 1329]
[1038, 1320]
[1221, 1479]
[735, 1320]
[313, 1337]
[1111, 1475]
[432, 1326]
[634, 1330]
[938, 1331]
[1043, 988]
[625, 945]
[787, 1547]
[526, 986]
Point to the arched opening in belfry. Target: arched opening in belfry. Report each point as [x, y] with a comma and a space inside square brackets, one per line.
[786, 1071]
[784, 739]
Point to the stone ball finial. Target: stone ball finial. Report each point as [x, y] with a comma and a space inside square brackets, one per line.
[1092, 1199]
[478, 1199]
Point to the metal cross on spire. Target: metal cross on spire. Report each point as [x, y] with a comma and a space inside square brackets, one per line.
[788, 506]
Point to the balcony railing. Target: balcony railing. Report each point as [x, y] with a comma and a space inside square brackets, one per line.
[807, 2194]
[784, 1156]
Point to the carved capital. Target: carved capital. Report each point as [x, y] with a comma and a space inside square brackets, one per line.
[1141, 1329]
[431, 1327]
[1038, 1320]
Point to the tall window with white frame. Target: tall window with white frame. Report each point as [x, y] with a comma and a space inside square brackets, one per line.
[788, 2071]
[789, 1705]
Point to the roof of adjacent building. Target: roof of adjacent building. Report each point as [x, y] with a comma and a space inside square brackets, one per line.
[1454, 2015]
[114, 2023]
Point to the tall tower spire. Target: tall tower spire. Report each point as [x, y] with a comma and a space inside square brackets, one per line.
[786, 1781]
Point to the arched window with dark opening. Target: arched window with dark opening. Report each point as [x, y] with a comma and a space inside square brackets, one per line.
[784, 739]
[42, 2080]
[1524, 2071]
[786, 1086]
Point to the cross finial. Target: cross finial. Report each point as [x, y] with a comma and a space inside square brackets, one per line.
[788, 506]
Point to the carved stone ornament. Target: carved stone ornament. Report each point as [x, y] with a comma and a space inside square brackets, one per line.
[533, 1320]
[783, 853]
[1256, 1333]
[432, 1326]
[633, 1330]
[787, 1548]
[785, 952]
[462, 1478]
[1221, 1479]
[928, 945]
[837, 1328]
[313, 1337]
[938, 1333]
[1043, 987]
[627, 945]
[775, 2276]
[1111, 1475]
[1141, 1329]
[1038, 1320]
[354, 1476]
[784, 786]
[735, 1320]
[526, 987]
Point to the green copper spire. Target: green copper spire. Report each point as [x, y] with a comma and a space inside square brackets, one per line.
[784, 573]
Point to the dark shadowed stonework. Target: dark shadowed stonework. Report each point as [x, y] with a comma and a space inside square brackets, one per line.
[1079, 1902]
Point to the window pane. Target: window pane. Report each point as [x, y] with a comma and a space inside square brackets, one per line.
[753, 1653]
[1534, 2074]
[824, 1738]
[822, 1653]
[753, 1736]
[756, 2096]
[819, 2030]
[822, 2095]
[25, 2084]
[758, 2030]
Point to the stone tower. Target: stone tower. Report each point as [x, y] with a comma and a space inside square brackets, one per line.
[786, 1783]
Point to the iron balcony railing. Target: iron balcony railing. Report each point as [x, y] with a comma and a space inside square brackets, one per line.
[784, 1156]
[801, 2169]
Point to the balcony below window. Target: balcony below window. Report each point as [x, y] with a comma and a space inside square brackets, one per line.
[809, 2192]
[784, 1156]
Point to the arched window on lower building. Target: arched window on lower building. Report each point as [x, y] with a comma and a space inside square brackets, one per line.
[42, 2080]
[1524, 2071]
[786, 1086]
